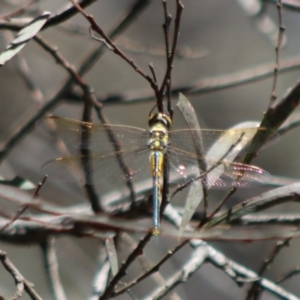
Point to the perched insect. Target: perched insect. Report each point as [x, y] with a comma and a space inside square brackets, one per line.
[122, 152]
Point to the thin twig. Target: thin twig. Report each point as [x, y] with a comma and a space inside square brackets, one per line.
[122, 272]
[114, 48]
[151, 67]
[275, 117]
[21, 282]
[88, 94]
[281, 31]
[210, 169]
[232, 191]
[249, 206]
[15, 273]
[91, 59]
[292, 5]
[117, 148]
[146, 265]
[170, 55]
[202, 252]
[25, 206]
[289, 275]
[199, 87]
[89, 100]
[255, 290]
[152, 270]
[166, 27]
[63, 62]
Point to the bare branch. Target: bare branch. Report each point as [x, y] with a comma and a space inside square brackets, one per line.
[122, 272]
[112, 46]
[255, 290]
[21, 282]
[278, 52]
[85, 66]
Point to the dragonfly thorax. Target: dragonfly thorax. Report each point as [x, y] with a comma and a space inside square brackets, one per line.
[159, 140]
[159, 128]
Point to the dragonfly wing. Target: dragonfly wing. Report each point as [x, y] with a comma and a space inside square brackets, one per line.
[218, 174]
[185, 169]
[218, 142]
[100, 137]
[112, 168]
[233, 174]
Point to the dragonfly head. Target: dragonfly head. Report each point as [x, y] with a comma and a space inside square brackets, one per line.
[161, 118]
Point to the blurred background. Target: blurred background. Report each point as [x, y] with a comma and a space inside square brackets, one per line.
[222, 39]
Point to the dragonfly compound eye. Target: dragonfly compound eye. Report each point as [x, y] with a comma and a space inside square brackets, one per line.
[160, 118]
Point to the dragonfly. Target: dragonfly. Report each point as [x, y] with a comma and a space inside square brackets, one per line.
[143, 151]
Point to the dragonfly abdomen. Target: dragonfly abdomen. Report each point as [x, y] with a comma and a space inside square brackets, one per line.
[156, 162]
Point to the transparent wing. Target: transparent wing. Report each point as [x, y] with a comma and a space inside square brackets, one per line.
[238, 138]
[100, 137]
[112, 169]
[117, 168]
[184, 167]
[184, 162]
